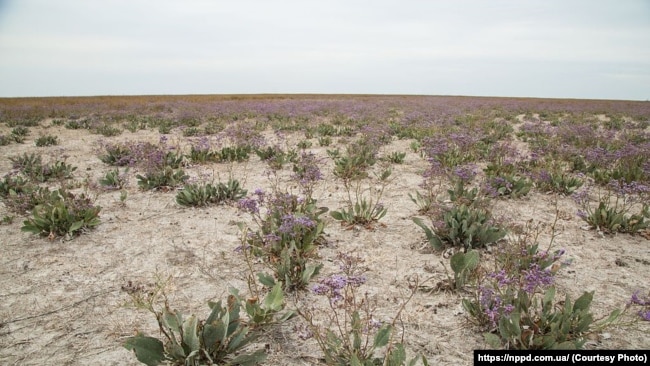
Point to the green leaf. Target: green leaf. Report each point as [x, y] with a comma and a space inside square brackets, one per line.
[76, 226]
[435, 242]
[249, 359]
[172, 320]
[337, 215]
[492, 340]
[275, 298]
[266, 280]
[190, 337]
[354, 361]
[461, 262]
[210, 337]
[583, 302]
[397, 355]
[148, 350]
[382, 337]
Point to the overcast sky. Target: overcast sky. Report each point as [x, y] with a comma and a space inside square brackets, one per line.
[522, 48]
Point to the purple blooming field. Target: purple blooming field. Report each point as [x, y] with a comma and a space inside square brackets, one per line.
[551, 193]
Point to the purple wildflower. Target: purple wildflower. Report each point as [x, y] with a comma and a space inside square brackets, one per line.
[645, 315]
[536, 277]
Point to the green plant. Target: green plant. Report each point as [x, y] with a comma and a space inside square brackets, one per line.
[5, 140]
[304, 144]
[612, 214]
[77, 124]
[234, 153]
[364, 211]
[117, 155]
[354, 165]
[508, 185]
[545, 324]
[415, 146]
[108, 130]
[461, 195]
[220, 339]
[324, 141]
[32, 166]
[64, 214]
[7, 220]
[205, 194]
[464, 226]
[334, 154]
[47, 140]
[14, 184]
[19, 133]
[396, 157]
[463, 264]
[165, 177]
[199, 155]
[287, 236]
[191, 131]
[113, 180]
[558, 182]
[134, 125]
[348, 333]
[326, 130]
[425, 203]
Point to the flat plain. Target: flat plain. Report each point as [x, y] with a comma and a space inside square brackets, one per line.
[65, 298]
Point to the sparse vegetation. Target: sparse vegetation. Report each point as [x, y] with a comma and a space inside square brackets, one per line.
[331, 234]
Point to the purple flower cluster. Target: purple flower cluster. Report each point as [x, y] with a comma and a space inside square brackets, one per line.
[465, 172]
[295, 226]
[535, 277]
[645, 302]
[252, 205]
[306, 170]
[333, 286]
[493, 306]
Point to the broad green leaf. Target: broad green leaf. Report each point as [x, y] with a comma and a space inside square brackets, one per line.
[148, 350]
[249, 359]
[583, 302]
[492, 340]
[190, 337]
[382, 337]
[397, 355]
[435, 242]
[275, 298]
[266, 280]
[76, 226]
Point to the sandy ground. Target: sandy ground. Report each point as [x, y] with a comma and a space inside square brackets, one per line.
[61, 302]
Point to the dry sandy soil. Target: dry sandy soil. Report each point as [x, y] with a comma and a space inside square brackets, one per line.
[61, 302]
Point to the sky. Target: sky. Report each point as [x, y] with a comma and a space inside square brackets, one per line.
[586, 49]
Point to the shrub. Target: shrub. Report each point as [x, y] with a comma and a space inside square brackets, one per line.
[233, 153]
[113, 180]
[32, 166]
[396, 157]
[47, 140]
[350, 334]
[511, 186]
[118, 155]
[613, 212]
[161, 178]
[64, 214]
[558, 182]
[286, 237]
[206, 194]
[108, 131]
[219, 339]
[463, 226]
